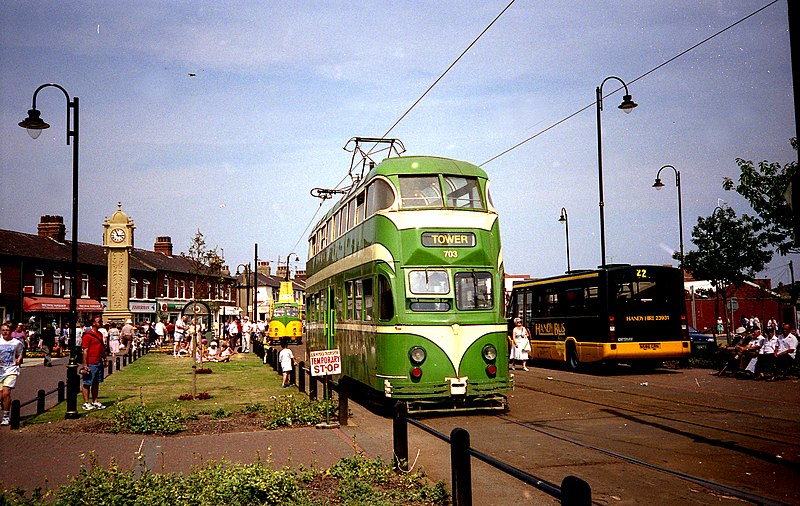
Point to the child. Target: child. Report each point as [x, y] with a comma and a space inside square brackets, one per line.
[286, 359]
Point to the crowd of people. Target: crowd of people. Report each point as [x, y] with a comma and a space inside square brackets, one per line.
[769, 354]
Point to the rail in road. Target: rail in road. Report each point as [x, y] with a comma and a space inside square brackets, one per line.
[670, 437]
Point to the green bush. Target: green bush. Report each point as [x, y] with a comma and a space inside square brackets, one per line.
[140, 419]
[288, 410]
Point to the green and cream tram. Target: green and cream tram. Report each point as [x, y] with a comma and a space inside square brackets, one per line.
[405, 278]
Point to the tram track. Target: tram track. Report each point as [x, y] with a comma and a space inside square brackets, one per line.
[709, 484]
[610, 408]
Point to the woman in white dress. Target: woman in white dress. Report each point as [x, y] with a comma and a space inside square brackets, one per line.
[521, 346]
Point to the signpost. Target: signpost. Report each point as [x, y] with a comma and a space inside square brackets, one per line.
[325, 363]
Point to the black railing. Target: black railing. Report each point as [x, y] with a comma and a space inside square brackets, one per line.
[41, 395]
[573, 490]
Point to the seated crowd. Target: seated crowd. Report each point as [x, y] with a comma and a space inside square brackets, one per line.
[762, 355]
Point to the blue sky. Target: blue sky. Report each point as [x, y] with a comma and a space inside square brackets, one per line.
[281, 86]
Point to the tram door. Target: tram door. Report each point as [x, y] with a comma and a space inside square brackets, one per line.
[330, 317]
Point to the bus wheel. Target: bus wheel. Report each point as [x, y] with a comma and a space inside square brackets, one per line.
[572, 358]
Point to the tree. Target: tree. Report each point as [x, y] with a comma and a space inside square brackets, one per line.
[206, 264]
[764, 186]
[729, 252]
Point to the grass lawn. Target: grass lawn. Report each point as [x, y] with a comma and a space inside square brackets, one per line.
[158, 379]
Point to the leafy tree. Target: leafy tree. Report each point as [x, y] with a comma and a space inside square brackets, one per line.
[763, 186]
[729, 250]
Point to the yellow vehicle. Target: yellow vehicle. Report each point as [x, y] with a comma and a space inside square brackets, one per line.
[286, 318]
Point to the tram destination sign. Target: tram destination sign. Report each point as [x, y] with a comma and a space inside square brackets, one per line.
[325, 362]
[448, 239]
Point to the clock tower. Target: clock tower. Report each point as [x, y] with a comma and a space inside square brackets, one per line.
[118, 244]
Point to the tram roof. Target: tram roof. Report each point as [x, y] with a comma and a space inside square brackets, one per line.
[405, 165]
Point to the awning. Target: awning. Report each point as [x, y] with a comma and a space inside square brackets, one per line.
[59, 305]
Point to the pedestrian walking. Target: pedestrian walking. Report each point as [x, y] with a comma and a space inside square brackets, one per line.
[48, 343]
[286, 359]
[94, 361]
[11, 352]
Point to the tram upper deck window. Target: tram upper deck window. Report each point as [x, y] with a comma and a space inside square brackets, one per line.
[379, 196]
[474, 290]
[428, 282]
[420, 191]
[462, 192]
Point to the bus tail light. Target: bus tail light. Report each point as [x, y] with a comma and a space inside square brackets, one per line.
[612, 330]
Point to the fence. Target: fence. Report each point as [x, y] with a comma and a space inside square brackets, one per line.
[573, 491]
[41, 395]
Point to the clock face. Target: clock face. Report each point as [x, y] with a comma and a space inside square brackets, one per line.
[117, 235]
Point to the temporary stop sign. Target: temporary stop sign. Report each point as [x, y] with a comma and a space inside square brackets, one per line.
[326, 362]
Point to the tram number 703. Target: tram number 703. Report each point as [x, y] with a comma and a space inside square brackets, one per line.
[450, 253]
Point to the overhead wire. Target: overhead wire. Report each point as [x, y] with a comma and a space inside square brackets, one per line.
[515, 146]
[415, 104]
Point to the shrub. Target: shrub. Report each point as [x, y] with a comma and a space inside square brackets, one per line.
[288, 410]
[139, 419]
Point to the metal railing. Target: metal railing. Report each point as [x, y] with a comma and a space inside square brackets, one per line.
[41, 395]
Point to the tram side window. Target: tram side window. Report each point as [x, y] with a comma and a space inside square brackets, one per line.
[379, 196]
[368, 299]
[463, 192]
[348, 295]
[357, 299]
[360, 207]
[338, 295]
[473, 290]
[351, 214]
[420, 191]
[385, 299]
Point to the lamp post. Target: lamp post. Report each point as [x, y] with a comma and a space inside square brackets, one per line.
[627, 106]
[255, 283]
[564, 218]
[34, 125]
[288, 259]
[658, 185]
[246, 272]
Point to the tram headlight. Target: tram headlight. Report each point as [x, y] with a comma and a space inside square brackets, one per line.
[417, 355]
[489, 352]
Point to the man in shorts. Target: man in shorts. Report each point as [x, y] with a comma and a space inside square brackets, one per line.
[11, 353]
[94, 361]
[180, 335]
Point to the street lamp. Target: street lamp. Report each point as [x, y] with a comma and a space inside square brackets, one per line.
[34, 125]
[246, 272]
[564, 218]
[288, 259]
[627, 106]
[658, 185]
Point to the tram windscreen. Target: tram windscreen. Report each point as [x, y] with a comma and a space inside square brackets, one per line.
[420, 191]
[428, 282]
[462, 192]
[474, 290]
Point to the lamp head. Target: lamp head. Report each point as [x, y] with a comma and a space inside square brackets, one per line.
[33, 123]
[563, 217]
[658, 184]
[627, 104]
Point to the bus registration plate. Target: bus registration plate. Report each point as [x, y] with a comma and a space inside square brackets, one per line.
[650, 346]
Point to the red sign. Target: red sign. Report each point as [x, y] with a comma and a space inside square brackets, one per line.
[325, 362]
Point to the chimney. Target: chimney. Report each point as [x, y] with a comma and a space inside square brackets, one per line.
[163, 245]
[263, 268]
[52, 227]
[281, 272]
[300, 275]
